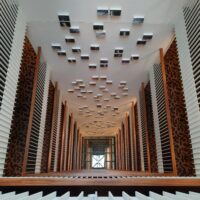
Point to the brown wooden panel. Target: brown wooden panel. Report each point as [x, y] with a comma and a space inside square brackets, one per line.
[28, 135]
[47, 130]
[179, 121]
[151, 132]
[20, 120]
[145, 127]
[168, 111]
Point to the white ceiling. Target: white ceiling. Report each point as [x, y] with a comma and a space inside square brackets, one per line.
[44, 28]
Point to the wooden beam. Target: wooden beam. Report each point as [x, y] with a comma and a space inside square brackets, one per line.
[134, 136]
[162, 62]
[52, 128]
[146, 126]
[63, 136]
[30, 122]
[71, 144]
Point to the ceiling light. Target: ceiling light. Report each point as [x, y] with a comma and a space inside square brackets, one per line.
[99, 95]
[74, 29]
[123, 82]
[92, 83]
[89, 91]
[74, 82]
[82, 86]
[106, 90]
[115, 11]
[95, 77]
[125, 89]
[117, 97]
[77, 88]
[135, 57]
[113, 94]
[56, 46]
[72, 60]
[102, 87]
[121, 86]
[69, 39]
[100, 34]
[124, 94]
[102, 11]
[124, 32]
[103, 77]
[147, 36]
[94, 47]
[79, 95]
[92, 66]
[79, 81]
[141, 42]
[64, 19]
[83, 91]
[76, 49]
[109, 82]
[85, 56]
[98, 26]
[138, 19]
[61, 53]
[70, 90]
[125, 60]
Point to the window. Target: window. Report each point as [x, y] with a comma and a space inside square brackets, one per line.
[98, 161]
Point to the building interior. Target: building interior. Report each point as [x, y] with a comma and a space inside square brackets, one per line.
[99, 99]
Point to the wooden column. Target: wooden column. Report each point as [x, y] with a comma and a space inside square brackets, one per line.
[71, 143]
[33, 99]
[128, 158]
[122, 149]
[146, 127]
[134, 136]
[116, 152]
[52, 128]
[168, 112]
[63, 137]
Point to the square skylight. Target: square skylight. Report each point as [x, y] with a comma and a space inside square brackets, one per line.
[94, 47]
[109, 82]
[56, 46]
[92, 83]
[64, 19]
[70, 90]
[115, 11]
[98, 26]
[69, 39]
[125, 60]
[74, 29]
[92, 66]
[85, 56]
[138, 19]
[124, 32]
[100, 34]
[141, 42]
[135, 57]
[76, 49]
[102, 11]
[61, 53]
[147, 36]
[72, 60]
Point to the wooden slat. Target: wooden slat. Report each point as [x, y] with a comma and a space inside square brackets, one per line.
[63, 136]
[150, 182]
[37, 64]
[52, 128]
[168, 111]
[134, 136]
[146, 127]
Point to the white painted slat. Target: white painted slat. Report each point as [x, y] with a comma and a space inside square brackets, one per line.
[33, 196]
[48, 197]
[5, 195]
[158, 196]
[17, 196]
[174, 196]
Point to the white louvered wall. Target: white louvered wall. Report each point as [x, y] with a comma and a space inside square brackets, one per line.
[162, 118]
[43, 120]
[188, 40]
[12, 33]
[110, 196]
[156, 121]
[140, 133]
[37, 120]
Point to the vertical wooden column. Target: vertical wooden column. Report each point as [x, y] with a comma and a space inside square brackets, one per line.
[52, 128]
[168, 112]
[70, 143]
[116, 151]
[78, 150]
[134, 137]
[146, 127]
[31, 111]
[122, 149]
[127, 142]
[63, 136]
